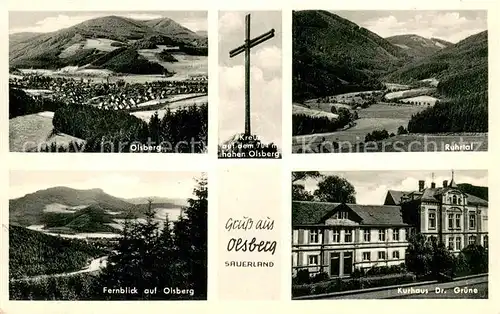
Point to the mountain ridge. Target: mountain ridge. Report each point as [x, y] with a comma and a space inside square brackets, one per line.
[45, 50]
[417, 46]
[31, 209]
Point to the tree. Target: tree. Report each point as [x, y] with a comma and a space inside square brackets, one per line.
[299, 193]
[402, 130]
[190, 238]
[443, 261]
[477, 258]
[419, 255]
[133, 262]
[335, 189]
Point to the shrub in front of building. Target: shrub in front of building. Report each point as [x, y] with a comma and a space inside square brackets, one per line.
[339, 285]
[379, 270]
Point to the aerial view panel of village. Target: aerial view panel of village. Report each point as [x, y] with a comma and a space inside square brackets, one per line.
[108, 81]
[390, 81]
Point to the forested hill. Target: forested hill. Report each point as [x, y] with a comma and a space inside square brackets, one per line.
[94, 39]
[479, 191]
[417, 46]
[462, 71]
[73, 210]
[33, 253]
[464, 59]
[332, 55]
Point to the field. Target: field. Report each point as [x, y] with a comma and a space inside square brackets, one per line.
[185, 67]
[297, 109]
[375, 117]
[408, 93]
[29, 131]
[426, 100]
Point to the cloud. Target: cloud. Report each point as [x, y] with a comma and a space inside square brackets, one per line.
[229, 22]
[268, 58]
[265, 102]
[54, 23]
[450, 26]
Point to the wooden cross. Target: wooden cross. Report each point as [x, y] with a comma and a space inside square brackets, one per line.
[249, 43]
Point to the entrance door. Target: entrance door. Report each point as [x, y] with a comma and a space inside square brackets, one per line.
[334, 264]
[347, 263]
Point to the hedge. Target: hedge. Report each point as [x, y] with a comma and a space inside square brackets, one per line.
[339, 285]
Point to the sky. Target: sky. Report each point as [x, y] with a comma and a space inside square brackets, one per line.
[452, 26]
[47, 21]
[371, 186]
[126, 184]
[265, 73]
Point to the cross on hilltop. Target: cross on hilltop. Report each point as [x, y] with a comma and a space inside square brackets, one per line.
[249, 43]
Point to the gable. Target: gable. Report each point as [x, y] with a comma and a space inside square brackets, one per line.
[342, 215]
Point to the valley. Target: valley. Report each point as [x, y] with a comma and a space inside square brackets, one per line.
[352, 87]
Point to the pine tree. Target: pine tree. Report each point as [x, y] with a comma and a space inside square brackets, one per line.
[190, 237]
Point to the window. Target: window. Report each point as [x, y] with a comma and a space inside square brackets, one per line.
[458, 218]
[343, 215]
[366, 235]
[313, 236]
[451, 243]
[472, 221]
[313, 259]
[472, 240]
[336, 236]
[458, 243]
[395, 234]
[450, 221]
[381, 255]
[485, 241]
[459, 201]
[407, 233]
[395, 254]
[432, 220]
[348, 235]
[367, 256]
[381, 235]
[454, 199]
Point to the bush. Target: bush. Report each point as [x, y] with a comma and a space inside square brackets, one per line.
[303, 124]
[320, 277]
[377, 135]
[339, 285]
[303, 276]
[476, 257]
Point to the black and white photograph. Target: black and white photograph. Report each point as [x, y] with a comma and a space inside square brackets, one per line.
[88, 81]
[390, 234]
[389, 81]
[100, 235]
[250, 84]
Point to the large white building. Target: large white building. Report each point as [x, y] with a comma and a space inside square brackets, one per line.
[336, 238]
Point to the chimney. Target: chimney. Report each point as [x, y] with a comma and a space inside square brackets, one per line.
[433, 185]
[445, 183]
[421, 184]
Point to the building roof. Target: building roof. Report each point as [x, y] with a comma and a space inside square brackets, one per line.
[474, 200]
[313, 213]
[396, 195]
[305, 213]
[430, 195]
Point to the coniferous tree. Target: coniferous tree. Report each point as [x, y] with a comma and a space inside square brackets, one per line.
[190, 237]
